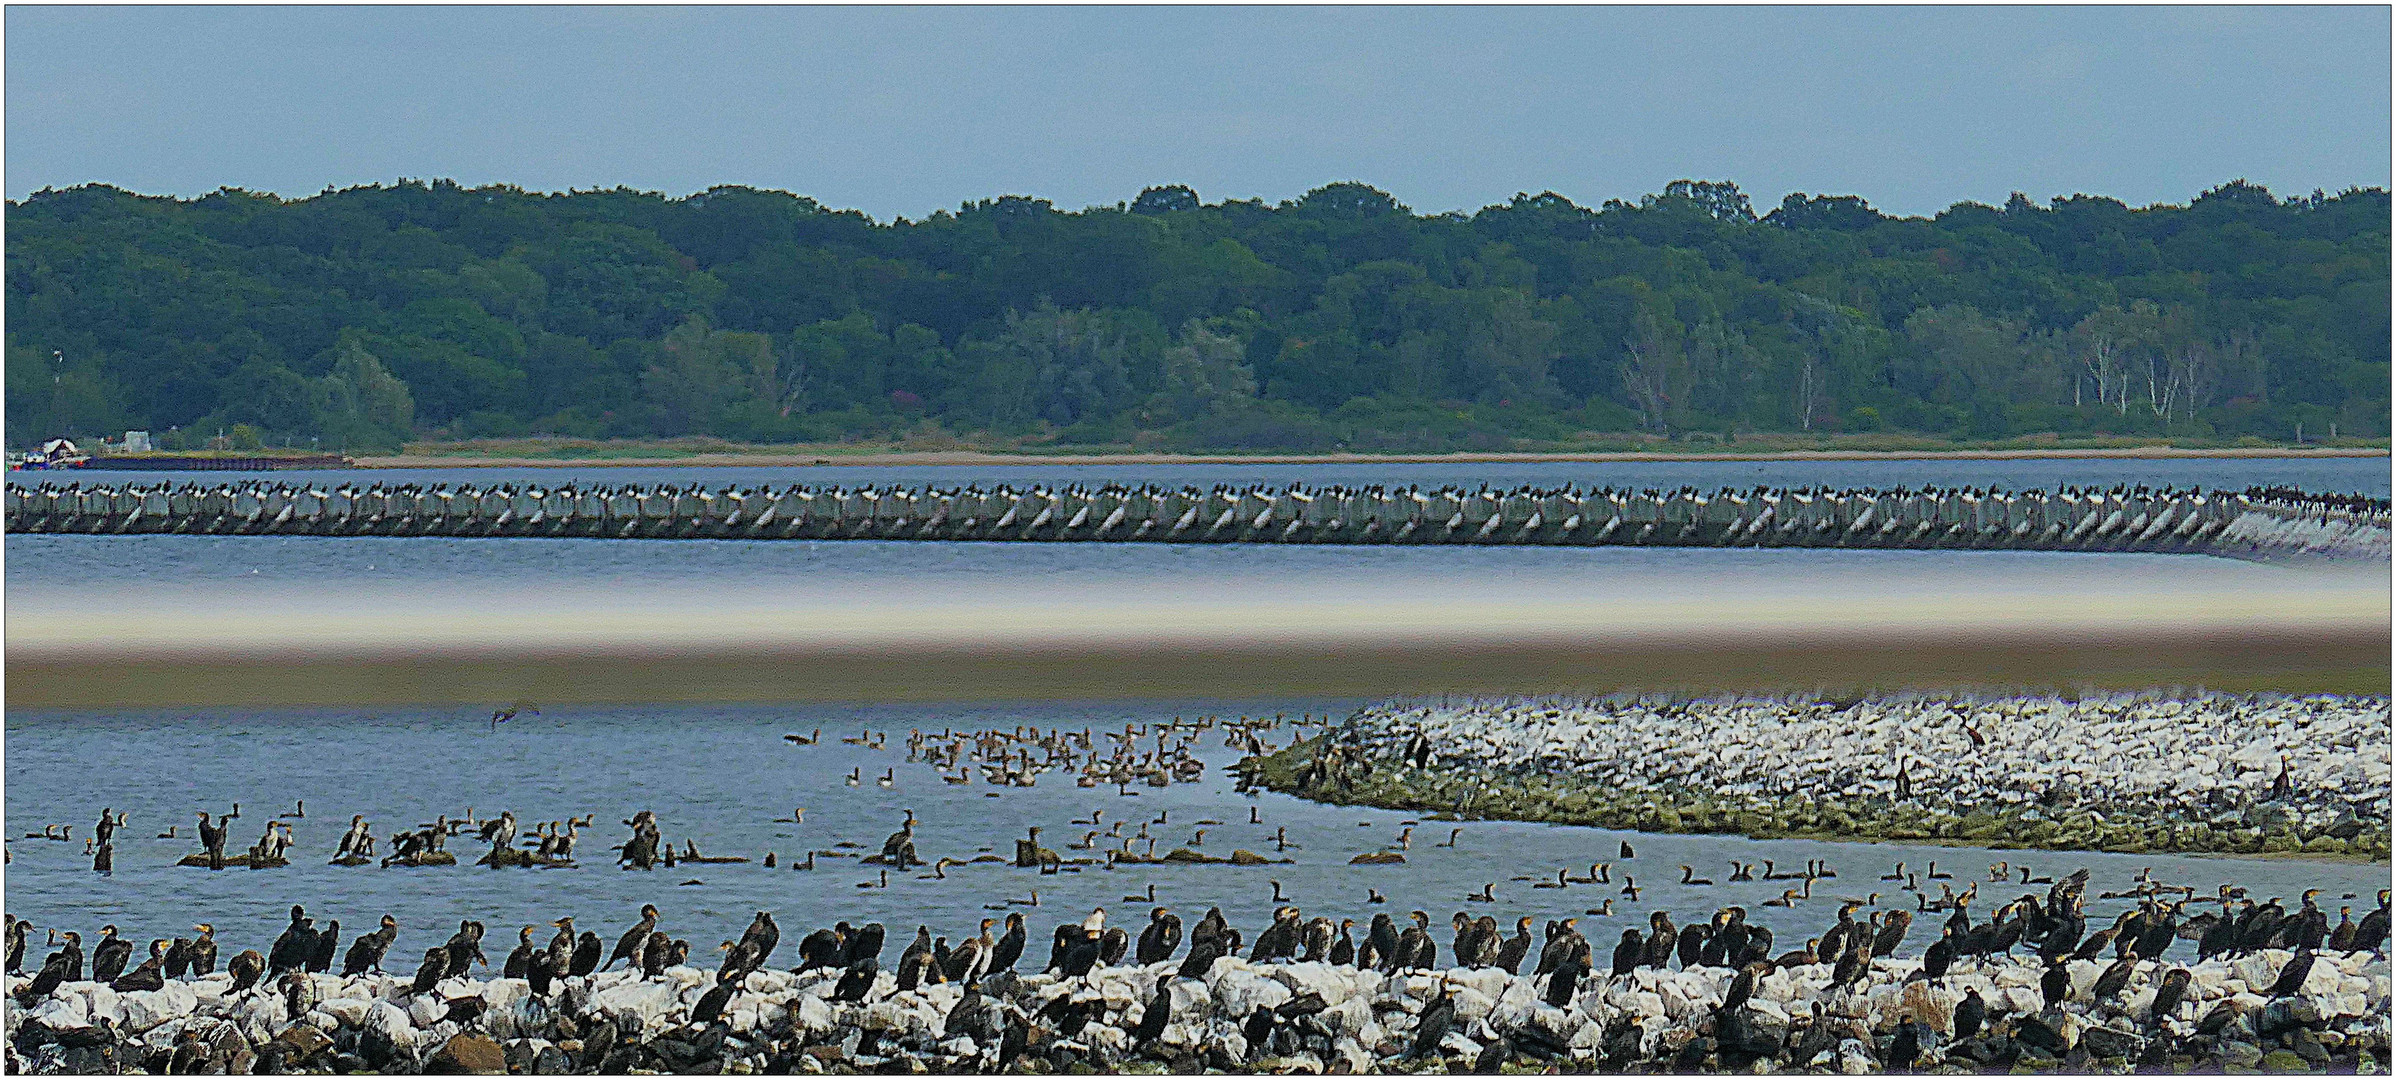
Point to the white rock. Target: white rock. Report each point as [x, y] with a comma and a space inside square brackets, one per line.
[642, 1004]
[391, 1021]
[62, 1011]
[349, 1010]
[425, 1010]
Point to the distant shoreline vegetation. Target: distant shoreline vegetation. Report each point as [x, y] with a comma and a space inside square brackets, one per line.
[365, 319]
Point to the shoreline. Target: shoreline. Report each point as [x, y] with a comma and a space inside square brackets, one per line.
[1519, 797]
[891, 458]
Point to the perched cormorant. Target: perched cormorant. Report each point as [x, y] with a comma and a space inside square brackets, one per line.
[1970, 1013]
[110, 956]
[149, 976]
[292, 947]
[2168, 994]
[203, 951]
[434, 968]
[246, 967]
[628, 947]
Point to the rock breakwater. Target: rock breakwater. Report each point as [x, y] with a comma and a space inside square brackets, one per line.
[1238, 1016]
[2210, 773]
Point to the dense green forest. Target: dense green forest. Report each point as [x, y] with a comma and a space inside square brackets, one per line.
[361, 318]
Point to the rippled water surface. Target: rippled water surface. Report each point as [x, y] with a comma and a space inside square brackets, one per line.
[719, 777]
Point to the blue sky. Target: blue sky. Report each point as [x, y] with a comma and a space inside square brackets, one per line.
[908, 110]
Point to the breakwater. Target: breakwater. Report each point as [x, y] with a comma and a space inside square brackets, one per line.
[2215, 773]
[1235, 1015]
[2265, 524]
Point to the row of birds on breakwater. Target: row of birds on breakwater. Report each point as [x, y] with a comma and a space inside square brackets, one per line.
[1732, 998]
[2313, 766]
[2257, 524]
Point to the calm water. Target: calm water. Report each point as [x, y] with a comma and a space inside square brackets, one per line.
[719, 777]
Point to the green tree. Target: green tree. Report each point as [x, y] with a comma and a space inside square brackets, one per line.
[360, 405]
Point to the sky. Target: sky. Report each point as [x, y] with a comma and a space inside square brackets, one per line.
[907, 110]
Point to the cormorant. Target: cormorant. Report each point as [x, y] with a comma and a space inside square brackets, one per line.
[367, 952]
[1510, 955]
[203, 951]
[2055, 984]
[63, 966]
[292, 947]
[466, 948]
[586, 953]
[1009, 946]
[2292, 975]
[1970, 1013]
[322, 947]
[518, 960]
[628, 947]
[428, 973]
[2168, 994]
[110, 956]
[1155, 1017]
[246, 967]
[857, 980]
[149, 976]
[1628, 953]
[2114, 979]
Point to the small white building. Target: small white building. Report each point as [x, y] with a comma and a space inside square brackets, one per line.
[137, 442]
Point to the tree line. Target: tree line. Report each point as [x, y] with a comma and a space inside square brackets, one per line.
[361, 318]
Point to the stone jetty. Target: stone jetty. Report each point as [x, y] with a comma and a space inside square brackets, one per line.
[2259, 523]
[2208, 773]
[1316, 1017]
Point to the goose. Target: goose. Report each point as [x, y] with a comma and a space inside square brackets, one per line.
[882, 881]
[1032, 901]
[1278, 898]
[1689, 876]
[1373, 896]
[1560, 882]
[854, 778]
[888, 779]
[1934, 875]
[806, 740]
[1896, 875]
[1451, 840]
[1487, 895]
[1630, 887]
[1604, 910]
[798, 816]
[1148, 897]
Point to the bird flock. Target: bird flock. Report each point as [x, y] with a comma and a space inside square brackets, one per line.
[2313, 768]
[1300, 992]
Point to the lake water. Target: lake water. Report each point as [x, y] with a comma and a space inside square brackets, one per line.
[719, 777]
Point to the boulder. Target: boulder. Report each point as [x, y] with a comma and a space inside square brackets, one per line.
[465, 1055]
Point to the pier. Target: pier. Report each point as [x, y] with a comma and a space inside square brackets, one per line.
[2253, 524]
